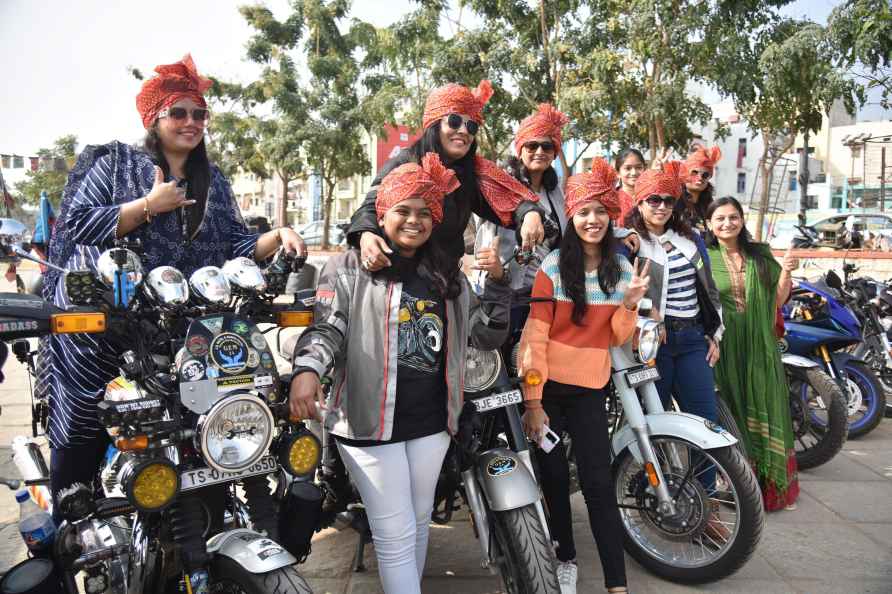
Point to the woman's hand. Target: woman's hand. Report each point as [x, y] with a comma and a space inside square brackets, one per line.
[534, 419]
[489, 261]
[790, 262]
[532, 232]
[306, 391]
[712, 355]
[632, 242]
[637, 286]
[291, 242]
[658, 161]
[373, 248]
[166, 196]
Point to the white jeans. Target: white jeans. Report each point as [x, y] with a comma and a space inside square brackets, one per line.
[397, 482]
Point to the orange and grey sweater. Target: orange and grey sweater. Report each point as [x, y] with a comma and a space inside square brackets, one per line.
[559, 349]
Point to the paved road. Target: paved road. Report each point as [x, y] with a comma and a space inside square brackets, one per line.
[838, 540]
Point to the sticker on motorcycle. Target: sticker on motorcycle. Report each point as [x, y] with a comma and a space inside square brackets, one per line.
[213, 324]
[240, 327]
[253, 358]
[266, 360]
[258, 340]
[230, 353]
[263, 381]
[234, 382]
[500, 466]
[197, 345]
[267, 553]
[192, 370]
[212, 372]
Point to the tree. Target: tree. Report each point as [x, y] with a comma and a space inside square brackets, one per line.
[861, 32]
[795, 85]
[52, 174]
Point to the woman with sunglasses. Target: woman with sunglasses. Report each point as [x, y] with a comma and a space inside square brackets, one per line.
[684, 296]
[452, 118]
[696, 172]
[180, 207]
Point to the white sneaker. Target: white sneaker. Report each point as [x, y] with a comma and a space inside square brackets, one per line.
[567, 573]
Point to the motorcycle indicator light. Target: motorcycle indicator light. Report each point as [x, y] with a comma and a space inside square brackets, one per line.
[151, 485]
[294, 319]
[533, 377]
[652, 476]
[129, 444]
[77, 323]
[299, 452]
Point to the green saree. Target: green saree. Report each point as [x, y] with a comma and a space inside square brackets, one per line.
[750, 375]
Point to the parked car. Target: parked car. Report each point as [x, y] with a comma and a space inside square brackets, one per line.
[864, 225]
[312, 233]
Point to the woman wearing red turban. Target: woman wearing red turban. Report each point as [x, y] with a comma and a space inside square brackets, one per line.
[696, 171]
[452, 118]
[168, 196]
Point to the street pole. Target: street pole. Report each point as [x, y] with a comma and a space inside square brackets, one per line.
[803, 179]
[882, 178]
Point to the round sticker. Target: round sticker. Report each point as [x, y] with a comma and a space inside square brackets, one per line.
[197, 345]
[240, 327]
[170, 276]
[192, 370]
[258, 340]
[500, 466]
[266, 360]
[230, 352]
[212, 372]
[253, 358]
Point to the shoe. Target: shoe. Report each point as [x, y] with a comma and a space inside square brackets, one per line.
[790, 507]
[715, 529]
[567, 572]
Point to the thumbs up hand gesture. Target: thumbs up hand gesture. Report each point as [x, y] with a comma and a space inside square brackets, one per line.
[489, 261]
[790, 262]
[166, 196]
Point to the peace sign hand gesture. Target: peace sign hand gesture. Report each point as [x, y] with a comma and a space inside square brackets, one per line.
[661, 158]
[638, 285]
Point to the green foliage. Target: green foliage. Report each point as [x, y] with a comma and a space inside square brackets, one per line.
[49, 179]
[861, 34]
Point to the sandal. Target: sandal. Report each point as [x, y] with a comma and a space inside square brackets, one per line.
[715, 529]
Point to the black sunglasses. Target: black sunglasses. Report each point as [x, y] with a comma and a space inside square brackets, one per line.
[654, 201]
[455, 121]
[181, 113]
[704, 175]
[533, 146]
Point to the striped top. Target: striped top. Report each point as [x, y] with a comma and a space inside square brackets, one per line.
[681, 298]
[559, 349]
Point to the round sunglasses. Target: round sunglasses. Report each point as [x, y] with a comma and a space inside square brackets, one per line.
[704, 175]
[454, 121]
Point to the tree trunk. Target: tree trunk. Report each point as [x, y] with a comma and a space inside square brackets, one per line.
[764, 196]
[803, 179]
[282, 203]
[326, 211]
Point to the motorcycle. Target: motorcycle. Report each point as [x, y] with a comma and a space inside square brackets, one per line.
[819, 326]
[199, 409]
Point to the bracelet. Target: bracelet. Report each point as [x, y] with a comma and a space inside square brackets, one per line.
[146, 211]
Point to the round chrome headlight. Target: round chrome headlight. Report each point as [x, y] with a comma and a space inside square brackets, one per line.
[481, 369]
[646, 341]
[167, 286]
[235, 433]
[245, 274]
[107, 264]
[210, 284]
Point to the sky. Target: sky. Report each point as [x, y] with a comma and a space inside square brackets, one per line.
[65, 63]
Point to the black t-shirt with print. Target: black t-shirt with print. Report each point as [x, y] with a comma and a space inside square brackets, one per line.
[421, 382]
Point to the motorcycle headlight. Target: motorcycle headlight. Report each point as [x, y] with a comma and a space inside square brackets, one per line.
[481, 369]
[299, 453]
[646, 340]
[235, 433]
[150, 485]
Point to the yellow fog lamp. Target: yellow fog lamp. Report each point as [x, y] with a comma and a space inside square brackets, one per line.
[150, 484]
[295, 319]
[77, 323]
[299, 452]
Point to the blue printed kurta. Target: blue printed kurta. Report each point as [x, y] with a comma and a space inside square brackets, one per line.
[76, 368]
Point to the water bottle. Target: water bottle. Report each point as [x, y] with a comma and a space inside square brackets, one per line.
[35, 525]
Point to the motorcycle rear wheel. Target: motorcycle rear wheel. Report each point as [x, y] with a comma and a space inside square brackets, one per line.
[679, 548]
[872, 396]
[526, 557]
[819, 416]
[229, 577]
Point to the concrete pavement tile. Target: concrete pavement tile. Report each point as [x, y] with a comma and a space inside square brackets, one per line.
[866, 502]
[365, 584]
[332, 554]
[882, 533]
[879, 438]
[326, 585]
[840, 468]
[453, 548]
[808, 510]
[727, 586]
[880, 461]
[12, 547]
[454, 585]
[837, 550]
[853, 586]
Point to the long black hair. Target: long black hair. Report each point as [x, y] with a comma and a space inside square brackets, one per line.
[520, 172]
[701, 207]
[572, 268]
[197, 170]
[625, 154]
[678, 222]
[745, 240]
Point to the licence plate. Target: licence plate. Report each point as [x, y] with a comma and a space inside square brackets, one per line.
[641, 376]
[494, 401]
[202, 477]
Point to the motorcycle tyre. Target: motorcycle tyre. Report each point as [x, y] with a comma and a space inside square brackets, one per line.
[870, 423]
[752, 514]
[285, 580]
[837, 431]
[726, 419]
[528, 556]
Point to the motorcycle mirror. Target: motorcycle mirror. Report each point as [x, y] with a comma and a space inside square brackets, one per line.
[833, 281]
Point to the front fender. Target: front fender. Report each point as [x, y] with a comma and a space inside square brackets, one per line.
[252, 550]
[798, 361]
[696, 430]
[506, 480]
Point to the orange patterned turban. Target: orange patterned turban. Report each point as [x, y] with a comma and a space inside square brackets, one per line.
[430, 181]
[598, 184]
[502, 192]
[702, 158]
[545, 123]
[176, 81]
[454, 98]
[662, 183]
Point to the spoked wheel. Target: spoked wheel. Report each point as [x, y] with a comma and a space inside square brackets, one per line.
[866, 398]
[819, 417]
[718, 515]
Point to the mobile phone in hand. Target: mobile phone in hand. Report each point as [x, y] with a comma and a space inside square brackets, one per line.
[549, 439]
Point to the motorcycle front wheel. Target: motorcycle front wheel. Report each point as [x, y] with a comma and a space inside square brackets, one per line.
[819, 416]
[867, 399]
[718, 517]
[525, 555]
[228, 577]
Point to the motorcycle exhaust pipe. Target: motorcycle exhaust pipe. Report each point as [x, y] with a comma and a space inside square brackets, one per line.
[478, 510]
[29, 461]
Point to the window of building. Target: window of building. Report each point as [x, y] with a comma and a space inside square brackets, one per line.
[18, 162]
[741, 183]
[7, 161]
[345, 185]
